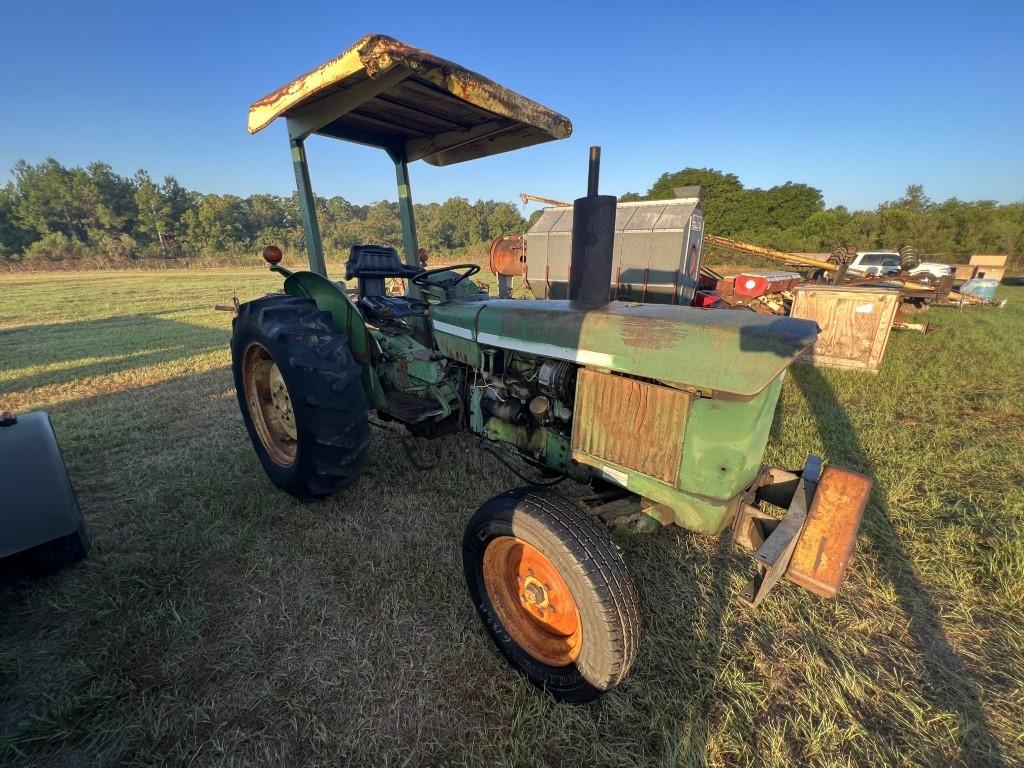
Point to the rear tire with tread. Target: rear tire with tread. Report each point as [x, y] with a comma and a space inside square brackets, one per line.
[324, 383]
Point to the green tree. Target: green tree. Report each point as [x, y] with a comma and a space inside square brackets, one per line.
[455, 225]
[154, 211]
[49, 212]
[14, 238]
[218, 224]
[505, 219]
[382, 225]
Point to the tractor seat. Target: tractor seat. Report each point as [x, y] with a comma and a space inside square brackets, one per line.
[372, 264]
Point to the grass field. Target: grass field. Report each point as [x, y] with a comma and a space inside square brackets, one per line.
[220, 622]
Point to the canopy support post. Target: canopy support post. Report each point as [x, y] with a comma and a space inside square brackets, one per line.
[307, 206]
[409, 242]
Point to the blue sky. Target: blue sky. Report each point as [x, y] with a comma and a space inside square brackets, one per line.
[857, 99]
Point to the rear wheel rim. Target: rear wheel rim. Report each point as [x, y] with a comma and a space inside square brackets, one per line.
[269, 404]
[532, 601]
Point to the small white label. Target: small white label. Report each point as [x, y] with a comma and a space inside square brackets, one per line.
[615, 475]
[696, 222]
[865, 309]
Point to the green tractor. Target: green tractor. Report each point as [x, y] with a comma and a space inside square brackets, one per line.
[664, 410]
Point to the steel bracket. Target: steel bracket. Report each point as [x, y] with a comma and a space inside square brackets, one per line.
[772, 539]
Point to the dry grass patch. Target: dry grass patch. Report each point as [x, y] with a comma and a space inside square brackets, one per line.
[219, 622]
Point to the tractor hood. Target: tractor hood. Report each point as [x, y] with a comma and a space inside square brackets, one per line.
[726, 351]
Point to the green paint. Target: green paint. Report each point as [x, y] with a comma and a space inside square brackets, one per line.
[405, 213]
[462, 315]
[739, 353]
[714, 353]
[725, 440]
[345, 318]
[542, 445]
[307, 206]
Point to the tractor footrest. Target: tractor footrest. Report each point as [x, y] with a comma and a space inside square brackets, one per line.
[410, 408]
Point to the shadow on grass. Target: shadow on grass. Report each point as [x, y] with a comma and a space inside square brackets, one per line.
[719, 596]
[951, 685]
[106, 346]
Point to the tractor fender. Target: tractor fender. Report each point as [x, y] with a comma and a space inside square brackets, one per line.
[345, 318]
[39, 505]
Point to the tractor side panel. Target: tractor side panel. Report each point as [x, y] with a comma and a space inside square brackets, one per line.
[725, 441]
[454, 327]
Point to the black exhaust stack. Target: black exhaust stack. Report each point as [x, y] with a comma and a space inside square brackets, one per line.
[593, 237]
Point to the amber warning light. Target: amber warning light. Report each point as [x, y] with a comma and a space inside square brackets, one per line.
[272, 254]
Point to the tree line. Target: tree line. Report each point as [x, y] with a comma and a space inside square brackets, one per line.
[793, 217]
[52, 215]
[56, 216]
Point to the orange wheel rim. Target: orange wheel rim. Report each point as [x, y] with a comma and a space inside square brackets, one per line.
[270, 405]
[532, 601]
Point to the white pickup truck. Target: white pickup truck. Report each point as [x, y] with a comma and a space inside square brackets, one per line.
[888, 263]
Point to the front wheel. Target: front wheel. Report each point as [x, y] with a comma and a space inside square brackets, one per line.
[553, 592]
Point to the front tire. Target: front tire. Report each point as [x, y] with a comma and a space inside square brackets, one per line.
[553, 591]
[301, 395]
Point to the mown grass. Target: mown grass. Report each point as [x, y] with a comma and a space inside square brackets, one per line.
[219, 622]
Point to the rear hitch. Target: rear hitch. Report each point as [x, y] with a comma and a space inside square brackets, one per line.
[811, 545]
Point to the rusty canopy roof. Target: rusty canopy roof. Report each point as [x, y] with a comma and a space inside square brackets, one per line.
[387, 94]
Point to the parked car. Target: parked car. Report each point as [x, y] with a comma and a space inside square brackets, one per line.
[888, 263]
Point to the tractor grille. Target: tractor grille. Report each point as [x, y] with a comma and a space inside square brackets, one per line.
[629, 422]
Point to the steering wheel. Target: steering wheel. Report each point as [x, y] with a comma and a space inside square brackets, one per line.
[422, 279]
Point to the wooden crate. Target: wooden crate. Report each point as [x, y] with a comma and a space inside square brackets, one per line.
[854, 321]
[964, 272]
[990, 266]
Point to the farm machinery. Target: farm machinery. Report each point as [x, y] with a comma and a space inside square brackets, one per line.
[664, 410]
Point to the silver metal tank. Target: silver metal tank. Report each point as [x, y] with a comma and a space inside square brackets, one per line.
[657, 250]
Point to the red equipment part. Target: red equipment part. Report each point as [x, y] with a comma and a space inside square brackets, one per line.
[755, 284]
[708, 300]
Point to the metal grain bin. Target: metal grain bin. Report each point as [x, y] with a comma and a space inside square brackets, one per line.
[657, 251]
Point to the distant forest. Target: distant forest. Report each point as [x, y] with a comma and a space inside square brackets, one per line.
[52, 216]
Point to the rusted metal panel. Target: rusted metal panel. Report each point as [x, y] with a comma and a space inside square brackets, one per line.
[630, 423]
[416, 105]
[826, 544]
